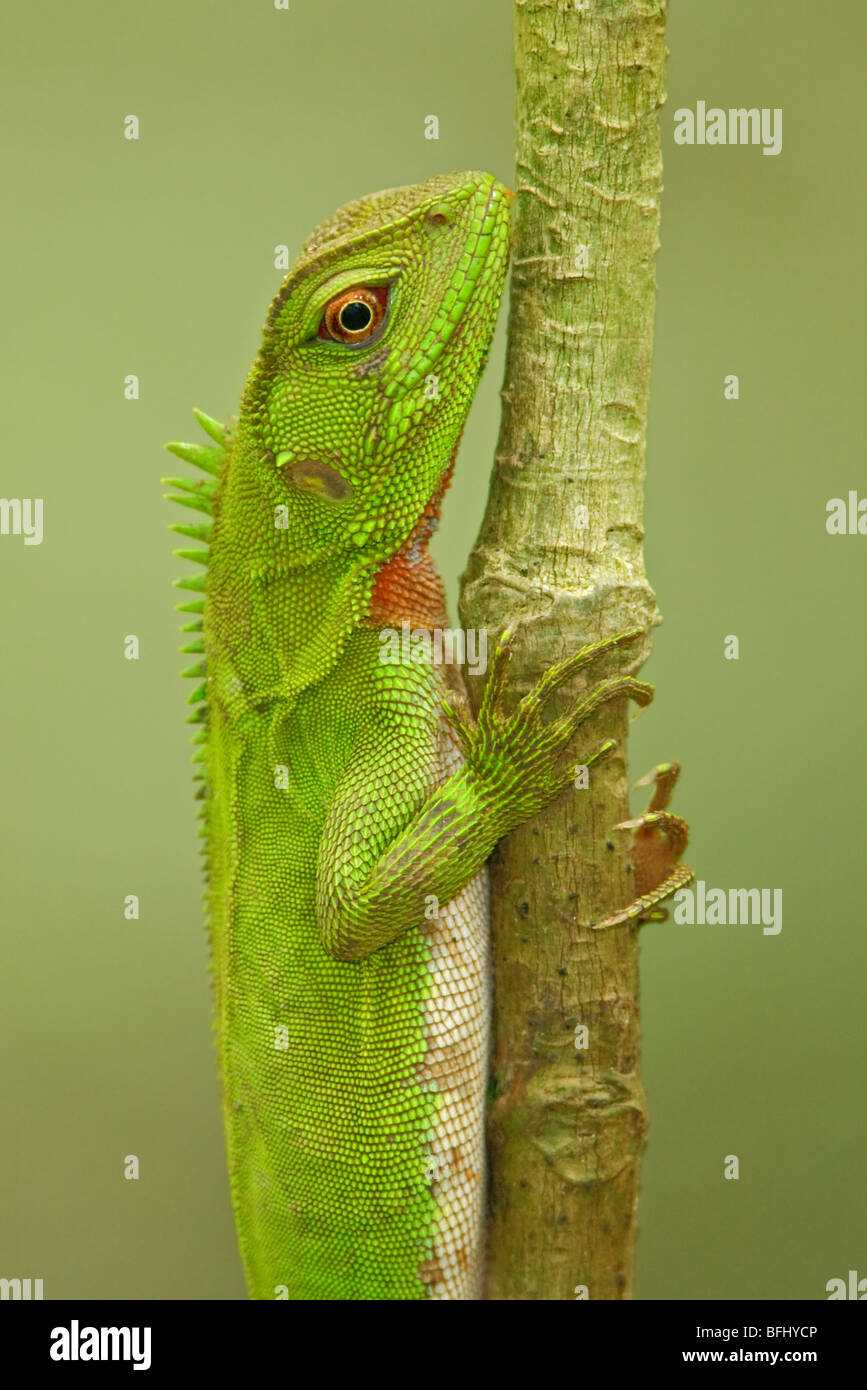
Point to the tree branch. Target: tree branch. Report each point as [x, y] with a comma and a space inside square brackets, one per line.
[560, 556]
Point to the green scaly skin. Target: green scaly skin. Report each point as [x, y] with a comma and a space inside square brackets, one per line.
[343, 794]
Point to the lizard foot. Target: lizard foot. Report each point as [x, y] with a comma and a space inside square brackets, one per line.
[658, 841]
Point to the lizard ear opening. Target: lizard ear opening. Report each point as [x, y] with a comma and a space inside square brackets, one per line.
[355, 315]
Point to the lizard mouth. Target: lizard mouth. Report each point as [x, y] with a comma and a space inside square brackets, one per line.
[475, 281]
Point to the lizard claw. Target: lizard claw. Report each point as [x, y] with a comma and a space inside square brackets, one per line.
[659, 839]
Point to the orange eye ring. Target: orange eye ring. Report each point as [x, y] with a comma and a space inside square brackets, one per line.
[355, 315]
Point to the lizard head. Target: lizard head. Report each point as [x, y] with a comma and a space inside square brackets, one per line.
[370, 358]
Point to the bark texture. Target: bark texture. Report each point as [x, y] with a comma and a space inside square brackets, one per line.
[559, 557]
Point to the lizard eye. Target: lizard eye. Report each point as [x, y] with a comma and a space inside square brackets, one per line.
[355, 315]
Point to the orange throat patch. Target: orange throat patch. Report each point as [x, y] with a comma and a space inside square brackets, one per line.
[408, 589]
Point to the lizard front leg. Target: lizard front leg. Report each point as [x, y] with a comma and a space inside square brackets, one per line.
[391, 843]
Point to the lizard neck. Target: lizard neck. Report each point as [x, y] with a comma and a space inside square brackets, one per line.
[271, 634]
[408, 588]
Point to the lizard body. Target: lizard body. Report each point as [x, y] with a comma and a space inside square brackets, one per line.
[349, 807]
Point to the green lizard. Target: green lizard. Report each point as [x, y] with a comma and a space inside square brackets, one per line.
[349, 803]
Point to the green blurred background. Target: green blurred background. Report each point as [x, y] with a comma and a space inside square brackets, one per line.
[155, 258]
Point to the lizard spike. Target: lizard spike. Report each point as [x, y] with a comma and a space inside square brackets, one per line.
[200, 737]
[198, 486]
[198, 504]
[198, 532]
[195, 672]
[200, 757]
[192, 647]
[199, 455]
[199, 715]
[193, 606]
[211, 426]
[197, 583]
[199, 695]
[195, 626]
[198, 557]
